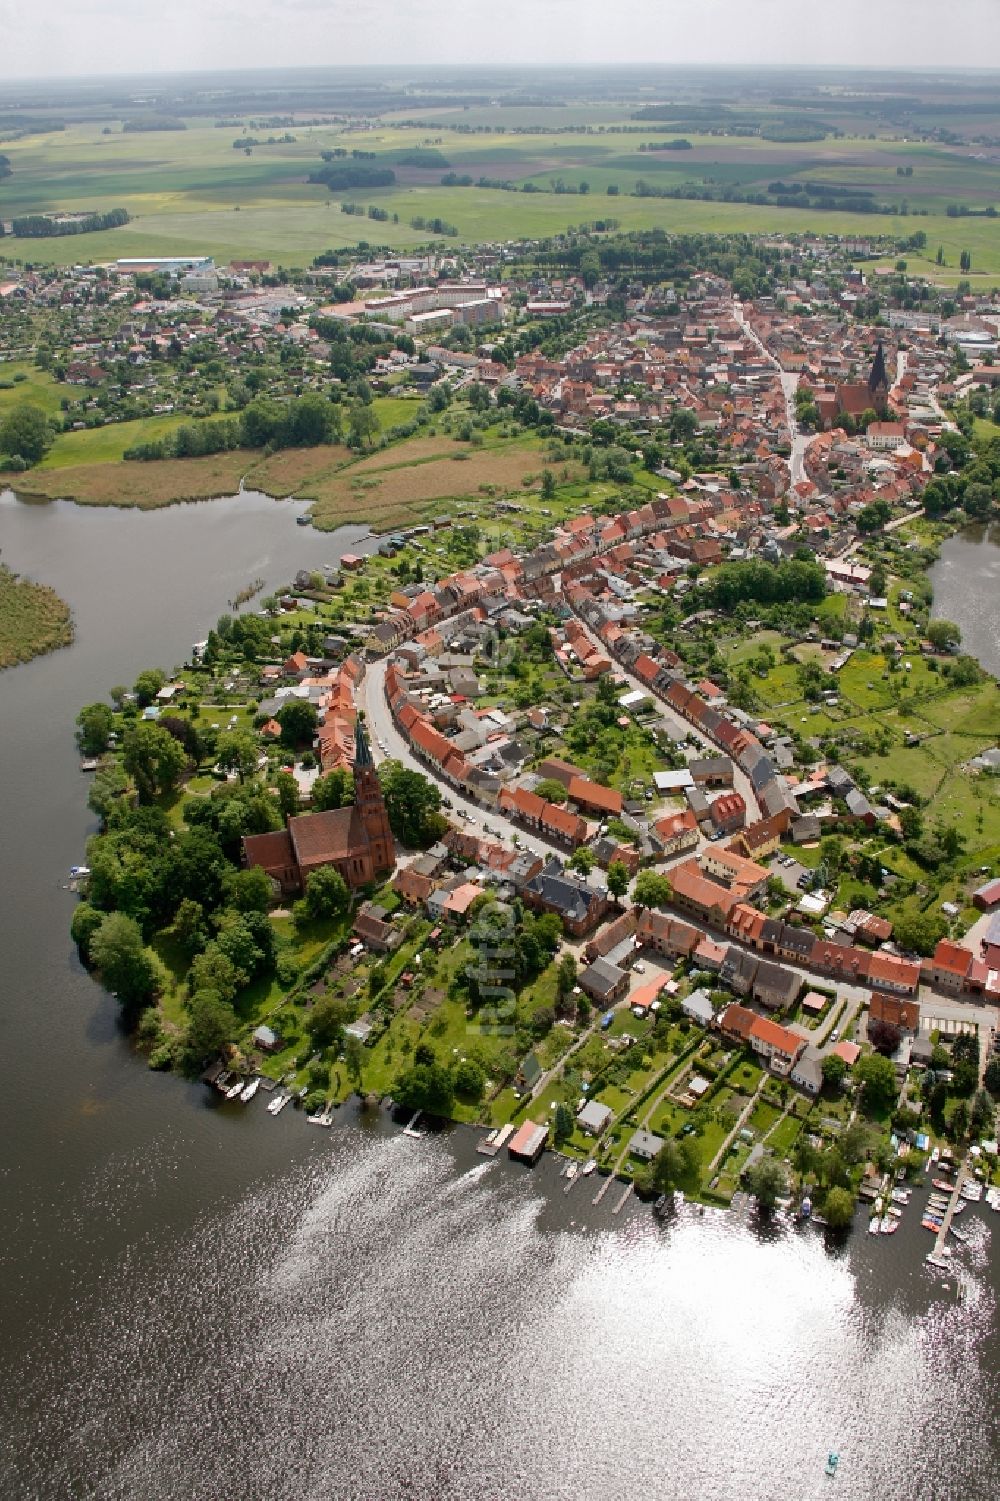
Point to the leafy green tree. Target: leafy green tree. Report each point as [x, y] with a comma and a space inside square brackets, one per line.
[617, 879]
[838, 1208]
[298, 719]
[919, 932]
[334, 790]
[548, 485]
[147, 686]
[992, 1076]
[326, 894]
[582, 860]
[153, 759]
[25, 433]
[362, 425]
[108, 787]
[425, 1086]
[943, 634]
[651, 889]
[877, 1079]
[288, 793]
[675, 1162]
[552, 791]
[413, 804]
[85, 923]
[117, 950]
[190, 930]
[214, 970]
[566, 976]
[834, 1071]
[94, 726]
[856, 1142]
[982, 1114]
[354, 1060]
[238, 751]
[248, 890]
[767, 1182]
[326, 1021]
[562, 1124]
[211, 1024]
[469, 1079]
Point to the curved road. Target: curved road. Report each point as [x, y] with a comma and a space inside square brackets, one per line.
[388, 742]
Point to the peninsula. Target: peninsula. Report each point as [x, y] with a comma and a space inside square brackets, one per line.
[644, 801]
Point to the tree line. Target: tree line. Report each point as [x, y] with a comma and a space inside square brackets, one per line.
[47, 227]
[303, 422]
[795, 581]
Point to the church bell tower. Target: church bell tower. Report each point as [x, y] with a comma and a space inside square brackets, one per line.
[370, 804]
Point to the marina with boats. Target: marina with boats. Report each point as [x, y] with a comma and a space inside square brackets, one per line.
[953, 1185]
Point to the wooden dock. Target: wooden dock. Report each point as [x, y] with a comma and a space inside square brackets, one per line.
[949, 1213]
[623, 1200]
[599, 1195]
[490, 1145]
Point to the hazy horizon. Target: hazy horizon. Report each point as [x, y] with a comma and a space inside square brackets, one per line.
[82, 39]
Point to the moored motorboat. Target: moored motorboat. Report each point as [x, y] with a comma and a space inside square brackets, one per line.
[249, 1091]
[234, 1090]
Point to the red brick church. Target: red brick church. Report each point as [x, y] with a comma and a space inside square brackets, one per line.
[356, 840]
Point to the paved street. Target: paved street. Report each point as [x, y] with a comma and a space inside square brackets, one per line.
[741, 782]
[388, 742]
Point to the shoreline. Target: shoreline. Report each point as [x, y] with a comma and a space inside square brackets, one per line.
[48, 628]
[201, 494]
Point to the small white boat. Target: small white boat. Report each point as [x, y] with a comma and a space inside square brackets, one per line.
[277, 1104]
[249, 1091]
[571, 1171]
[589, 1166]
[79, 870]
[234, 1090]
[895, 1211]
[873, 1225]
[888, 1227]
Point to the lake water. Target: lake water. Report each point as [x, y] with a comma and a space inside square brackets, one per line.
[966, 582]
[200, 1302]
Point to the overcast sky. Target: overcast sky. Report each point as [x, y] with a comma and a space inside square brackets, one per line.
[43, 38]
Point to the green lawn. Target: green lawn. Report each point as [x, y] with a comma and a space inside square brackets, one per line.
[37, 388]
[106, 445]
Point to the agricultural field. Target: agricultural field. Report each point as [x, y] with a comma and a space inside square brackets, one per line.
[189, 191]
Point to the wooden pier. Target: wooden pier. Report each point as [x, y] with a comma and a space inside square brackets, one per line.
[599, 1195]
[949, 1213]
[623, 1200]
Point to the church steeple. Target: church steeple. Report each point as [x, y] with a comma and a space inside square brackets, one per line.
[362, 749]
[879, 379]
[370, 803]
